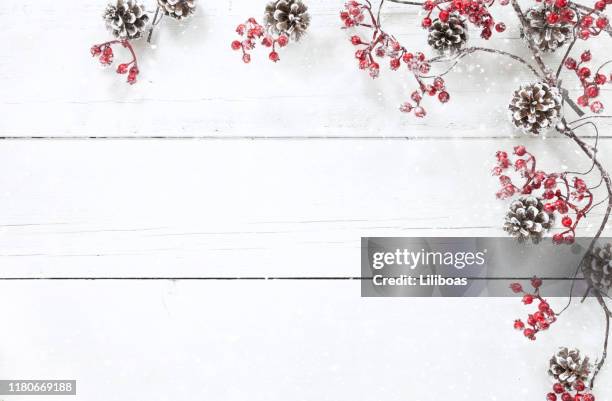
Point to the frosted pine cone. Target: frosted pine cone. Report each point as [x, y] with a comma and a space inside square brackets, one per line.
[287, 16]
[546, 36]
[448, 37]
[535, 107]
[567, 366]
[527, 220]
[597, 267]
[177, 9]
[126, 20]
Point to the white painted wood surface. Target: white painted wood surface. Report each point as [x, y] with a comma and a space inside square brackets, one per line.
[258, 181]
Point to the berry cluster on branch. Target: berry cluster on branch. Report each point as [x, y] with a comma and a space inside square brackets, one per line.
[557, 193]
[382, 45]
[591, 82]
[539, 320]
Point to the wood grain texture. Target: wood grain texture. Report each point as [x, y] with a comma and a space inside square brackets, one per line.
[223, 208]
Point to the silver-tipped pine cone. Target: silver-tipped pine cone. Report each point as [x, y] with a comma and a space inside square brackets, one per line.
[597, 267]
[527, 220]
[448, 37]
[287, 16]
[546, 36]
[178, 9]
[536, 107]
[126, 19]
[567, 366]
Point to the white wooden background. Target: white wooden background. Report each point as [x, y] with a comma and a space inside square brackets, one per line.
[208, 167]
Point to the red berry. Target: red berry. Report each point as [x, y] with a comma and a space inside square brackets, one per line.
[588, 397]
[356, 40]
[282, 40]
[236, 45]
[567, 397]
[601, 22]
[122, 68]
[426, 22]
[558, 388]
[444, 15]
[597, 107]
[567, 15]
[420, 112]
[558, 238]
[583, 101]
[586, 56]
[551, 397]
[570, 63]
[486, 33]
[519, 325]
[528, 299]
[500, 27]
[95, 50]
[600, 5]
[274, 56]
[529, 333]
[587, 21]
[600, 79]
[561, 3]
[579, 385]
[395, 63]
[516, 288]
[592, 91]
[439, 83]
[520, 150]
[552, 18]
[536, 282]
[407, 57]
[549, 208]
[107, 51]
[584, 34]
[246, 58]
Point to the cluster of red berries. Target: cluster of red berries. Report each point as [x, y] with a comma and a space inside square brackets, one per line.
[591, 82]
[560, 392]
[416, 97]
[106, 56]
[559, 192]
[353, 14]
[253, 31]
[542, 318]
[476, 11]
[382, 45]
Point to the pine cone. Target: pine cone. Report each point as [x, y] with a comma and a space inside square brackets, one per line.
[546, 36]
[535, 107]
[567, 366]
[527, 219]
[127, 19]
[287, 16]
[597, 267]
[177, 9]
[448, 37]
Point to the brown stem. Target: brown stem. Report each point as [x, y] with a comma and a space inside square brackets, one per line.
[536, 53]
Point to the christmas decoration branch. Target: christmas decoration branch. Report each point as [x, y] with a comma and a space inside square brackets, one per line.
[535, 109]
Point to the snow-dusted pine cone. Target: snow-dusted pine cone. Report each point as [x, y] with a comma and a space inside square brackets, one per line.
[527, 220]
[126, 19]
[448, 37]
[567, 366]
[597, 267]
[287, 16]
[177, 9]
[535, 107]
[546, 36]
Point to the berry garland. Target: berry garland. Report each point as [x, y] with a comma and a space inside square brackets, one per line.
[127, 21]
